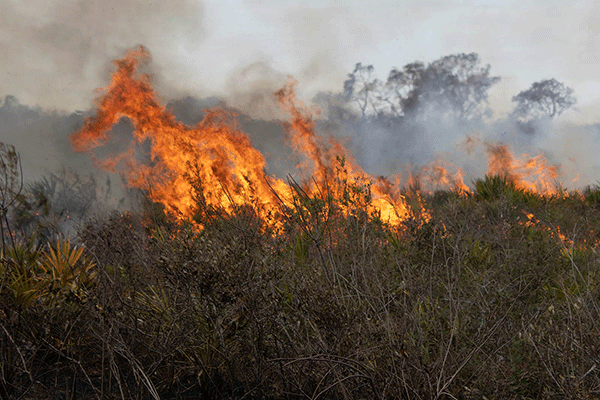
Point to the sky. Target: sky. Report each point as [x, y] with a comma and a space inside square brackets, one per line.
[55, 53]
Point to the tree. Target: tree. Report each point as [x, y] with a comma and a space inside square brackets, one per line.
[547, 98]
[11, 184]
[403, 87]
[456, 84]
[363, 89]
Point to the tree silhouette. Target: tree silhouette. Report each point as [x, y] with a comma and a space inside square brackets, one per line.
[547, 98]
[456, 84]
[11, 184]
[363, 89]
[403, 87]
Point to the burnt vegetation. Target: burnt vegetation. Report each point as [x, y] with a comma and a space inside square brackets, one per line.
[491, 294]
[488, 294]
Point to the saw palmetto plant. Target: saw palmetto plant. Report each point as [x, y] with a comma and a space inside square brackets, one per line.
[63, 272]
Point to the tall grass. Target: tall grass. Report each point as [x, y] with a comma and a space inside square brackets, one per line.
[493, 295]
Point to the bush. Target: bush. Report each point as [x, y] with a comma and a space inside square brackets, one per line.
[492, 295]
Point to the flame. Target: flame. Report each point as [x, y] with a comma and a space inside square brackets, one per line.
[216, 158]
[531, 173]
[216, 154]
[470, 143]
[219, 154]
[386, 198]
[531, 220]
[437, 176]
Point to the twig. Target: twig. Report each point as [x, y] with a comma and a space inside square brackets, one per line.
[62, 354]
[18, 351]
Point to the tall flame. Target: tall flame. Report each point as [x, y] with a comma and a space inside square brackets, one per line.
[386, 198]
[218, 155]
[231, 172]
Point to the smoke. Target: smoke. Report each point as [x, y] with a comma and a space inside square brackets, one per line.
[313, 42]
[25, 127]
[574, 146]
[250, 90]
[54, 54]
[387, 145]
[322, 37]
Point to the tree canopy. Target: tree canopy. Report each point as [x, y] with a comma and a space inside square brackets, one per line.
[547, 98]
[455, 84]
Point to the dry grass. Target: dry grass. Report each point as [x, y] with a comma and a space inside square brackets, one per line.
[482, 301]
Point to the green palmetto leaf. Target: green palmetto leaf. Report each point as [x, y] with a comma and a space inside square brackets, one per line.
[25, 288]
[61, 262]
[64, 268]
[16, 266]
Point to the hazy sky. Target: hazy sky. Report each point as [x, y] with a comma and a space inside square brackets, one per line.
[55, 53]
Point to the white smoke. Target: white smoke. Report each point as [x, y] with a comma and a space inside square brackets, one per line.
[55, 53]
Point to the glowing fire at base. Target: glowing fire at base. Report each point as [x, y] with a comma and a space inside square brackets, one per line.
[216, 153]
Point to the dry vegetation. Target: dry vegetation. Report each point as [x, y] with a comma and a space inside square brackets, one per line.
[489, 295]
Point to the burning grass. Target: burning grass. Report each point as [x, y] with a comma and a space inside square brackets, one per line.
[495, 294]
[230, 169]
[230, 283]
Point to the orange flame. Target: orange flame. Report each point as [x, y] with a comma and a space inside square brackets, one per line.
[531, 173]
[217, 154]
[437, 176]
[386, 198]
[220, 155]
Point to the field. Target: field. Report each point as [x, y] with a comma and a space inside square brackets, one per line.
[488, 294]
[225, 282]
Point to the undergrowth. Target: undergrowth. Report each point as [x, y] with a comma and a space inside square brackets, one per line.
[491, 295]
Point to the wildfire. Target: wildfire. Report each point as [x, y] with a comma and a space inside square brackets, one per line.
[214, 164]
[215, 154]
[531, 173]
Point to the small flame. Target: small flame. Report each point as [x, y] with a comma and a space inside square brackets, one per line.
[531, 173]
[438, 176]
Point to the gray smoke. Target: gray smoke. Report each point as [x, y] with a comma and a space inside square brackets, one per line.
[385, 144]
[55, 53]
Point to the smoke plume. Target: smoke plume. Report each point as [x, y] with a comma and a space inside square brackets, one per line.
[54, 54]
